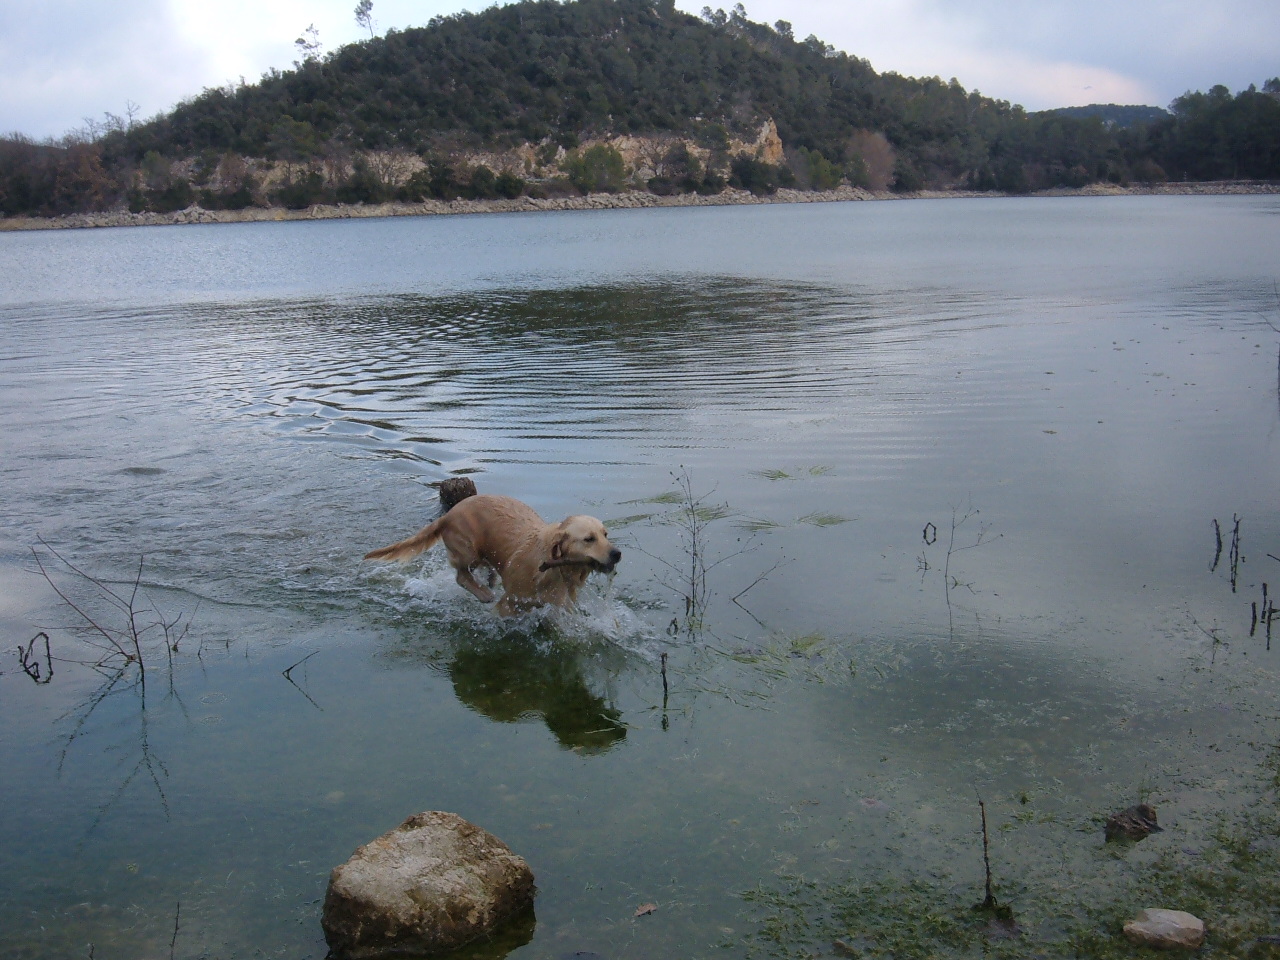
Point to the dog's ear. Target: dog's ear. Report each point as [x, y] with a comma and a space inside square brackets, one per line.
[557, 545]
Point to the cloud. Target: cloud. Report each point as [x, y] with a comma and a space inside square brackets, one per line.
[64, 60]
[1048, 53]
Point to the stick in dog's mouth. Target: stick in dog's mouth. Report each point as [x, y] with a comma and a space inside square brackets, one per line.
[593, 564]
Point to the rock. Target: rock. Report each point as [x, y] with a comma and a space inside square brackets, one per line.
[1166, 930]
[1133, 823]
[430, 885]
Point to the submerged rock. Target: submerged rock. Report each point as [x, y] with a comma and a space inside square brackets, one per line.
[1166, 930]
[1134, 823]
[430, 885]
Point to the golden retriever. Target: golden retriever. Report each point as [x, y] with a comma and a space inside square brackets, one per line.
[539, 562]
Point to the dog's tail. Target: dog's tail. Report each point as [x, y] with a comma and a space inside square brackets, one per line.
[424, 539]
[452, 492]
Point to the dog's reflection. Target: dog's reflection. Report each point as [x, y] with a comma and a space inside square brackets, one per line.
[510, 681]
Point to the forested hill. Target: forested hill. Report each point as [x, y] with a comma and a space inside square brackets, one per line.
[584, 69]
[542, 90]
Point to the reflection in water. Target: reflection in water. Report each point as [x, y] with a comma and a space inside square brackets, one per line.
[534, 375]
[511, 680]
[509, 936]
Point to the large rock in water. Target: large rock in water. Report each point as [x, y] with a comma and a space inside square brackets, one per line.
[430, 885]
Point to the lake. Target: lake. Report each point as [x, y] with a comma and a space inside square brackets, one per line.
[922, 504]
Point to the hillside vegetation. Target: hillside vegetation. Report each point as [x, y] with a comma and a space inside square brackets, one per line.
[588, 95]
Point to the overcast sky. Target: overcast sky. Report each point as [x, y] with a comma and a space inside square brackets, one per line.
[62, 61]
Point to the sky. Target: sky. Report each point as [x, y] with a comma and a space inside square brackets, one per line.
[63, 62]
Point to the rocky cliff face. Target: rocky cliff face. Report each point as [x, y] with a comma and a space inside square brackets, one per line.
[644, 158]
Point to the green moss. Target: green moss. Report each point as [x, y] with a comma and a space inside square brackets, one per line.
[1231, 881]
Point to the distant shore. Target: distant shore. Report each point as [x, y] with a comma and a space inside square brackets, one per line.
[629, 200]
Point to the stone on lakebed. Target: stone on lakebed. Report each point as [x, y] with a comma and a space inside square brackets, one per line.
[1166, 929]
[429, 886]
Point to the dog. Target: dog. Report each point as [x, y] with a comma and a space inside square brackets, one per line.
[539, 563]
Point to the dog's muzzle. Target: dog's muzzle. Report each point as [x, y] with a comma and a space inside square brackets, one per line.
[607, 567]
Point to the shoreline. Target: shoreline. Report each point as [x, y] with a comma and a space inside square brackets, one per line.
[629, 200]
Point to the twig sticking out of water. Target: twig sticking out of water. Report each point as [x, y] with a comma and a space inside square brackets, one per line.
[1211, 634]
[117, 645]
[930, 536]
[1235, 552]
[287, 674]
[1264, 616]
[989, 901]
[1002, 918]
[692, 518]
[30, 662]
[119, 630]
[173, 942]
[1217, 553]
[665, 692]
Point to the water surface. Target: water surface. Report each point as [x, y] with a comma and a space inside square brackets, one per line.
[1067, 394]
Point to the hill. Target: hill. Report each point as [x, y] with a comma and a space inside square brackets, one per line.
[1113, 114]
[586, 95]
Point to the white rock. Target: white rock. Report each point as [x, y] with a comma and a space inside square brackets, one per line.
[1166, 929]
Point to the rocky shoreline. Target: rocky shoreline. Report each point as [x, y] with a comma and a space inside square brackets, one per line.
[629, 200]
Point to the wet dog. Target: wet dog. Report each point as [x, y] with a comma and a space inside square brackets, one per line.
[539, 563]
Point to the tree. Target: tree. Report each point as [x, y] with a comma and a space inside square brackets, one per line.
[364, 15]
[308, 46]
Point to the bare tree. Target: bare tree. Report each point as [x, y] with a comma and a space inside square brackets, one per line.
[308, 46]
[391, 167]
[875, 156]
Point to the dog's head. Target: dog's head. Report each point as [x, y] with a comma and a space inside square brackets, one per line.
[584, 540]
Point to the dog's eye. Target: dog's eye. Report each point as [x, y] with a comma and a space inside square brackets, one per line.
[590, 539]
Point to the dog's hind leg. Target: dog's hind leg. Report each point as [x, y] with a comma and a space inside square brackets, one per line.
[464, 559]
[468, 582]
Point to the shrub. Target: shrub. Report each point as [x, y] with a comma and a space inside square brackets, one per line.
[598, 169]
[363, 186]
[484, 185]
[906, 178]
[550, 189]
[816, 172]
[748, 173]
[1148, 171]
[711, 184]
[178, 195]
[509, 185]
[303, 192]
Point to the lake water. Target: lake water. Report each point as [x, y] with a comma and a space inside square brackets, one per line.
[953, 467]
